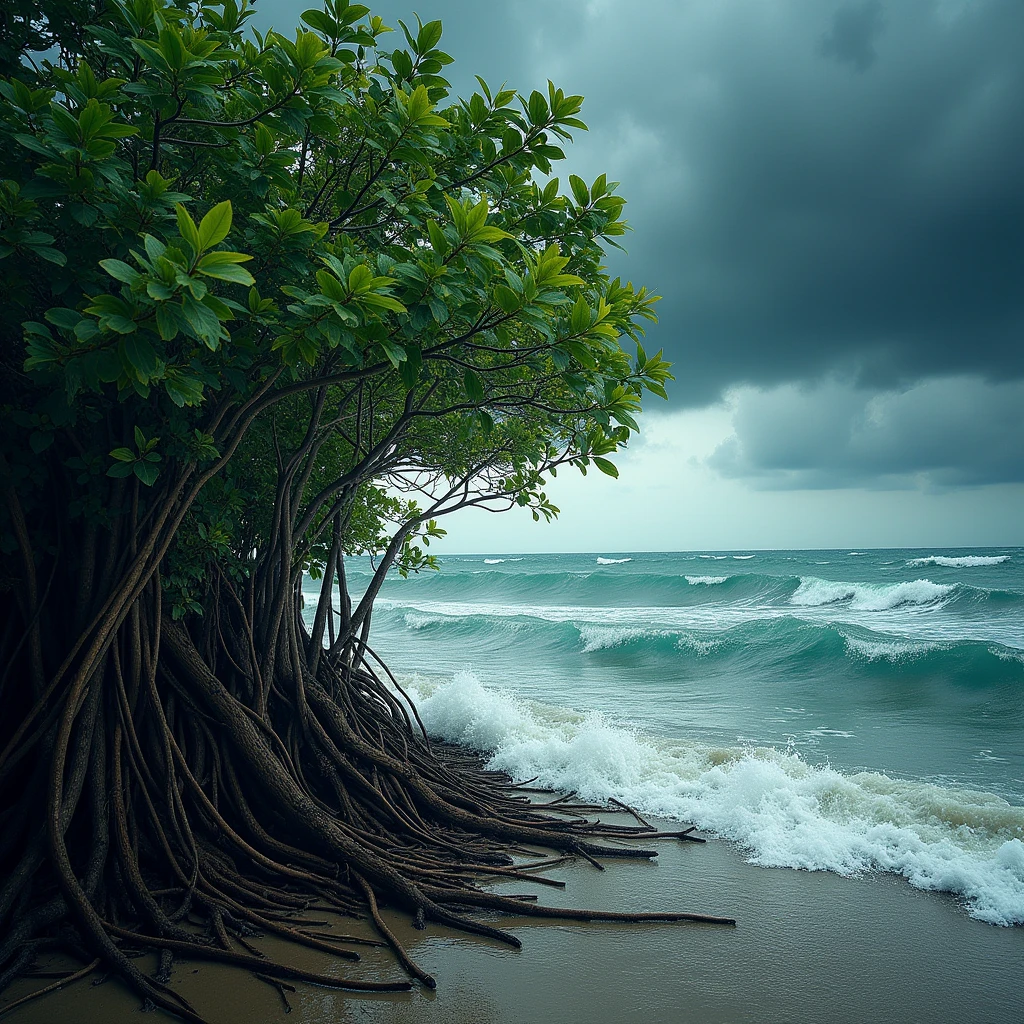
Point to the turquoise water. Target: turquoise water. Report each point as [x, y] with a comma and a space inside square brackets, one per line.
[839, 710]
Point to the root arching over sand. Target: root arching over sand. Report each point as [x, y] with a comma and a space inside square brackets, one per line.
[190, 807]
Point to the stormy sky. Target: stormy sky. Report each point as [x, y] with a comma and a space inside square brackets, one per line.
[830, 198]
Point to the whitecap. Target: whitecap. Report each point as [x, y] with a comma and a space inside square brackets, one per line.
[493, 561]
[743, 558]
[895, 651]
[814, 592]
[960, 561]
[782, 811]
[601, 638]
[705, 580]
[613, 561]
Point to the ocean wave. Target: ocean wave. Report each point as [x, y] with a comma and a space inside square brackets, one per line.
[872, 597]
[743, 558]
[603, 638]
[717, 558]
[895, 651]
[705, 580]
[613, 561]
[604, 586]
[960, 561]
[493, 561]
[828, 649]
[782, 811]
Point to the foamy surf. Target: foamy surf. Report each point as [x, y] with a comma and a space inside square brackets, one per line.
[612, 561]
[874, 597]
[782, 811]
[960, 561]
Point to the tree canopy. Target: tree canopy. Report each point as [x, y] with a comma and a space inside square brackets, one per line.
[269, 300]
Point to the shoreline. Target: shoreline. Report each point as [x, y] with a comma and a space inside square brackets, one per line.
[808, 946]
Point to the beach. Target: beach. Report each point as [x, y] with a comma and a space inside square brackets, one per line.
[808, 946]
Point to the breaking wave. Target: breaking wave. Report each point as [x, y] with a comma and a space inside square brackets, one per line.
[814, 592]
[782, 811]
[959, 562]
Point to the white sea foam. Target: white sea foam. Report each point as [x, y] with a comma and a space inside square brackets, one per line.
[856, 554]
[1007, 655]
[493, 561]
[422, 620]
[613, 561]
[717, 558]
[743, 558]
[700, 646]
[895, 651]
[959, 562]
[871, 597]
[706, 580]
[782, 811]
[598, 637]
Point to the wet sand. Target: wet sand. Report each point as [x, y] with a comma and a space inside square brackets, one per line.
[808, 947]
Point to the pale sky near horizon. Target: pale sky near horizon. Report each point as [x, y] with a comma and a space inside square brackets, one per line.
[828, 194]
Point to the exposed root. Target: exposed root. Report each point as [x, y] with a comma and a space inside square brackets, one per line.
[198, 800]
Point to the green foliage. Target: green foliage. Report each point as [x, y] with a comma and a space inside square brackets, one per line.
[231, 251]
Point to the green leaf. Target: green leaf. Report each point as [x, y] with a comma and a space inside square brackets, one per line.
[120, 469]
[428, 37]
[123, 455]
[382, 302]
[141, 355]
[187, 228]
[68, 319]
[474, 386]
[120, 271]
[606, 467]
[224, 267]
[146, 472]
[215, 226]
[409, 370]
[579, 190]
[506, 299]
[360, 279]
[579, 320]
[437, 239]
[394, 352]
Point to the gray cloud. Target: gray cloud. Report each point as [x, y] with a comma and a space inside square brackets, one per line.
[852, 36]
[949, 432]
[798, 218]
[803, 220]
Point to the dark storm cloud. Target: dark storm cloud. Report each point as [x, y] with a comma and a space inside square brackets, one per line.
[816, 188]
[798, 215]
[953, 432]
[851, 39]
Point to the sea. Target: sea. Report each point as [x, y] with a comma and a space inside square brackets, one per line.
[852, 711]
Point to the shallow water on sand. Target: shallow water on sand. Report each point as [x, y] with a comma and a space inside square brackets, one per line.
[807, 947]
[849, 711]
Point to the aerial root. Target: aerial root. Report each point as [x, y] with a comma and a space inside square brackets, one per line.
[392, 940]
[59, 984]
[198, 951]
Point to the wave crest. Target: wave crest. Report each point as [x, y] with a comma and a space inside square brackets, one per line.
[781, 810]
[959, 562]
[814, 592]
